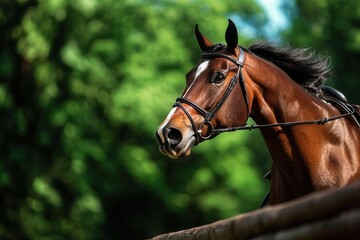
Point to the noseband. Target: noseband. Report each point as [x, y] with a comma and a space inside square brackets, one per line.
[208, 115]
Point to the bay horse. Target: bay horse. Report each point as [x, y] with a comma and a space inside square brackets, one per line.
[313, 142]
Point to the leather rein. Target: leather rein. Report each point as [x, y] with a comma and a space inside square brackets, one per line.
[208, 115]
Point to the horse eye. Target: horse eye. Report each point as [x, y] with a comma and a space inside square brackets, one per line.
[218, 78]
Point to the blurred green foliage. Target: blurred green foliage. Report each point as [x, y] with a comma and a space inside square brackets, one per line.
[83, 87]
[331, 28]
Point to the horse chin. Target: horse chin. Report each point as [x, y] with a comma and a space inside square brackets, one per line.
[187, 149]
[180, 151]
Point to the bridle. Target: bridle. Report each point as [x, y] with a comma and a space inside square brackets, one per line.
[208, 115]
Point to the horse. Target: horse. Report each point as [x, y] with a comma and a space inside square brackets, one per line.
[311, 131]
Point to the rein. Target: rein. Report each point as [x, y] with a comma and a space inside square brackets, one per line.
[208, 115]
[320, 121]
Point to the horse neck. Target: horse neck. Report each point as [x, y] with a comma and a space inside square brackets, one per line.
[277, 98]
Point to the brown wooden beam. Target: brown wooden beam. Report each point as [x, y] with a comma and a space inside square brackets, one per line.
[334, 213]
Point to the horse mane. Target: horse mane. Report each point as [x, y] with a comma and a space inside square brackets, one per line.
[301, 64]
[216, 47]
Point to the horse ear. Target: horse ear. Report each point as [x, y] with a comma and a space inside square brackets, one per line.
[203, 42]
[231, 36]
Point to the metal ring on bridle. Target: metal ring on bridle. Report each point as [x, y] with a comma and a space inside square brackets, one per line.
[209, 130]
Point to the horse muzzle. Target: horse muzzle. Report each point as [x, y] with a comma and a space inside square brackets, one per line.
[174, 142]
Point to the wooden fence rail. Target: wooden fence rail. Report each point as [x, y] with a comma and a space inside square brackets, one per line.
[323, 215]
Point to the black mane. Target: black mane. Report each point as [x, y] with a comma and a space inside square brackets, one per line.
[216, 48]
[302, 65]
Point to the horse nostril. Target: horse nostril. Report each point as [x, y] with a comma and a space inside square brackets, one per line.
[174, 136]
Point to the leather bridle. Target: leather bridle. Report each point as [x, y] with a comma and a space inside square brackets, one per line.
[208, 115]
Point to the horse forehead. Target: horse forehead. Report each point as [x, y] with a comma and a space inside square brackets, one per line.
[200, 69]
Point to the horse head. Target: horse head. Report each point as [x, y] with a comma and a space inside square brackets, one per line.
[214, 97]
